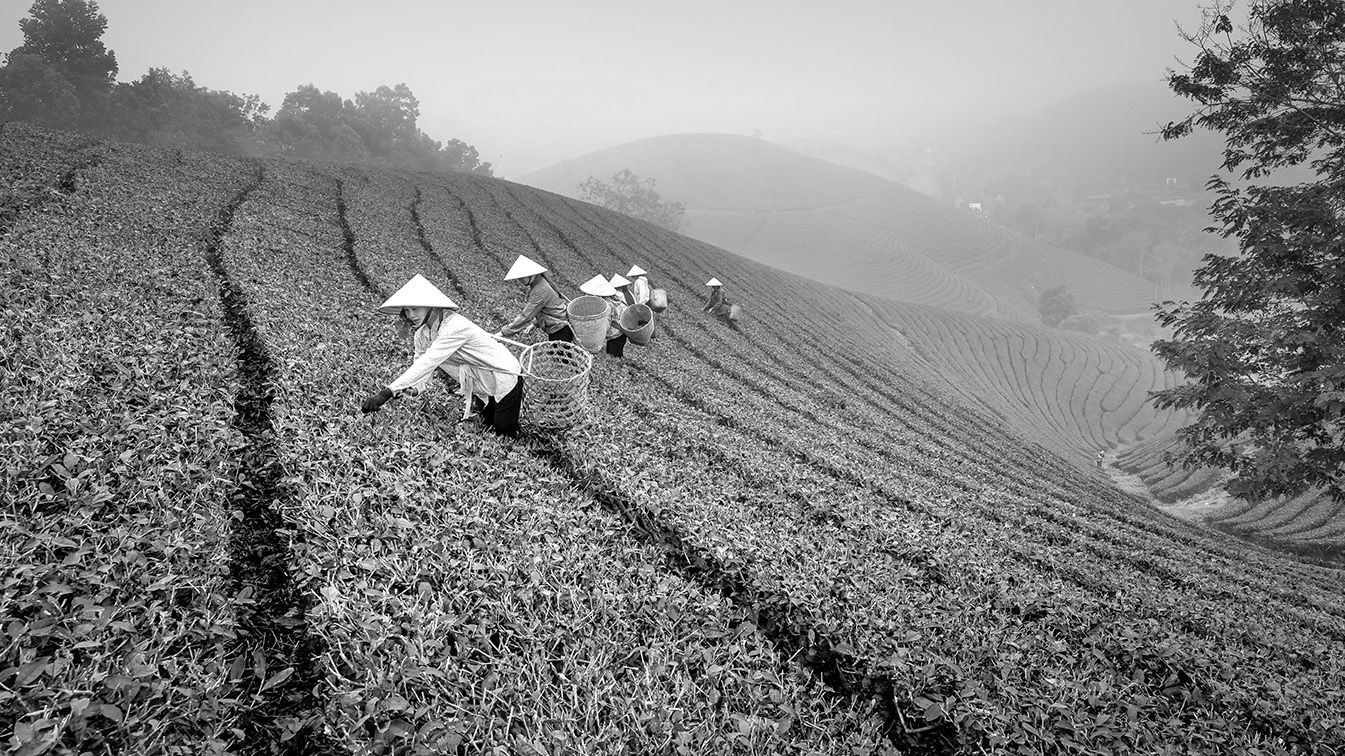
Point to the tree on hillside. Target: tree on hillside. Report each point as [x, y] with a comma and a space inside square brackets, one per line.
[1263, 352]
[1056, 305]
[378, 126]
[62, 73]
[317, 125]
[628, 193]
[387, 119]
[62, 76]
[457, 155]
[32, 91]
[170, 110]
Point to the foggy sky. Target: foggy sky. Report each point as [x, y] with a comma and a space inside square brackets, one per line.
[532, 83]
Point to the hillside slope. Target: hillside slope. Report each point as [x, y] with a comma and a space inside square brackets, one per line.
[849, 228]
[1073, 393]
[779, 540]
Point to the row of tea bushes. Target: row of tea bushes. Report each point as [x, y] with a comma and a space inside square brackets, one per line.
[117, 383]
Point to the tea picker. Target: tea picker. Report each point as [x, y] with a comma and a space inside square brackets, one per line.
[544, 308]
[719, 305]
[622, 286]
[639, 285]
[636, 320]
[600, 287]
[445, 340]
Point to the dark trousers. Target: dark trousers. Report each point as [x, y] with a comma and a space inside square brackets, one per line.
[502, 416]
[617, 346]
[564, 334]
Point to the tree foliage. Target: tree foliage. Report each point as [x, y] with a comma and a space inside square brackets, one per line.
[33, 91]
[62, 73]
[378, 126]
[1263, 351]
[628, 193]
[63, 76]
[1056, 305]
[67, 35]
[170, 110]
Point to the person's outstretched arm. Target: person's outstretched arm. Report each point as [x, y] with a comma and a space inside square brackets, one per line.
[537, 299]
[450, 340]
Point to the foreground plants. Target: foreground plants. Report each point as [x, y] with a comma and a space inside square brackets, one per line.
[770, 541]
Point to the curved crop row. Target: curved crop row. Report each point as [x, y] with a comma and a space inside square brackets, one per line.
[120, 614]
[458, 609]
[589, 261]
[783, 538]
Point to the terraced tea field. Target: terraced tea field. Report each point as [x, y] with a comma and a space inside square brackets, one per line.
[1308, 524]
[783, 539]
[1071, 393]
[1079, 393]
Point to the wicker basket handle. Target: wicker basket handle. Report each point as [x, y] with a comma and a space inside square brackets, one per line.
[510, 342]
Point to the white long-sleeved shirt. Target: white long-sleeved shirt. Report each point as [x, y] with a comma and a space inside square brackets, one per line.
[639, 290]
[464, 350]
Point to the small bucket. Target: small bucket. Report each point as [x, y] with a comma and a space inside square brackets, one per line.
[637, 322]
[658, 300]
[588, 320]
[735, 312]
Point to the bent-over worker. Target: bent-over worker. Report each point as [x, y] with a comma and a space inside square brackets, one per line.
[598, 286]
[544, 308]
[620, 283]
[718, 304]
[639, 285]
[446, 340]
[622, 287]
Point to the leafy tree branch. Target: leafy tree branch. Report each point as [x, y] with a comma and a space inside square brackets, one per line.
[1262, 351]
[635, 196]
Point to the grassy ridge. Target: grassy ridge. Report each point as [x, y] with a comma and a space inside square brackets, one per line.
[784, 540]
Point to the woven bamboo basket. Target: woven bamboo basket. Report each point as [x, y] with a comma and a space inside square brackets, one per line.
[637, 322]
[735, 313]
[589, 320]
[555, 389]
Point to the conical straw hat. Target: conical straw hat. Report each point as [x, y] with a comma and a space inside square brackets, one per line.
[619, 280]
[636, 270]
[522, 268]
[597, 286]
[713, 282]
[418, 292]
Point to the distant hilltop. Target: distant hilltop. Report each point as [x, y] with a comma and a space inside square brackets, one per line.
[849, 228]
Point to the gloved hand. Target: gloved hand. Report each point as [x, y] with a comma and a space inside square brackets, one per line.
[377, 400]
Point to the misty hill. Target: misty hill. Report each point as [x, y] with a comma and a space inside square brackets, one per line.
[851, 229]
[784, 538]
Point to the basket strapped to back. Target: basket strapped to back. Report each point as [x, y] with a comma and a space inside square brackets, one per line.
[555, 393]
[637, 322]
[588, 320]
